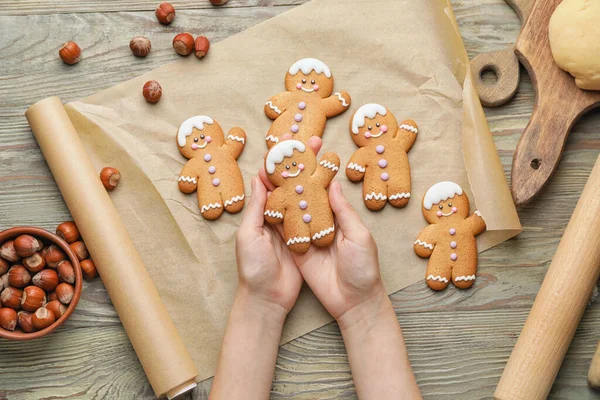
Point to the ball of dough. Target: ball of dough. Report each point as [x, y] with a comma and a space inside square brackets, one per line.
[574, 33]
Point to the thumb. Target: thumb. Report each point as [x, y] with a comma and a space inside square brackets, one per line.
[253, 216]
[348, 219]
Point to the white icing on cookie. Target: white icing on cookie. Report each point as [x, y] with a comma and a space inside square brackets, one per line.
[441, 191]
[409, 128]
[306, 65]
[274, 214]
[272, 107]
[376, 196]
[464, 278]
[237, 138]
[424, 244]
[400, 196]
[188, 126]
[234, 199]
[300, 239]
[340, 98]
[366, 111]
[282, 150]
[209, 206]
[323, 233]
[437, 278]
[477, 213]
[190, 179]
[356, 167]
[272, 138]
[329, 165]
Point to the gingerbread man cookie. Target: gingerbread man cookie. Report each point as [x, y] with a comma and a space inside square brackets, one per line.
[300, 200]
[381, 161]
[212, 169]
[302, 111]
[449, 242]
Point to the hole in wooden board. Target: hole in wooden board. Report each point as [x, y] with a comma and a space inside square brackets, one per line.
[489, 76]
[535, 163]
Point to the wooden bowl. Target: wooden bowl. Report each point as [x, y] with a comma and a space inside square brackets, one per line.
[49, 237]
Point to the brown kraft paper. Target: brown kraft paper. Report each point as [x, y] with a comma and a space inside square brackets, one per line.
[406, 55]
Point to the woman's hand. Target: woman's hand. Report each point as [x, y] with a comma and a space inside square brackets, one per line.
[266, 269]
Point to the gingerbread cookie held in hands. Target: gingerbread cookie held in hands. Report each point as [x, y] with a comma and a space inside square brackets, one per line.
[381, 161]
[302, 111]
[212, 169]
[300, 200]
[449, 242]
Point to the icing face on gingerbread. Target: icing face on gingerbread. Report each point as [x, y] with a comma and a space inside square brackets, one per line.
[445, 201]
[310, 76]
[198, 133]
[300, 200]
[373, 123]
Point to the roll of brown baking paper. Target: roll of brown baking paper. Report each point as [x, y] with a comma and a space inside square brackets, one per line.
[161, 352]
[560, 303]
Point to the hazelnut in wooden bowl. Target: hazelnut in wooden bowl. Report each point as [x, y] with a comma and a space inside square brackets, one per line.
[36, 296]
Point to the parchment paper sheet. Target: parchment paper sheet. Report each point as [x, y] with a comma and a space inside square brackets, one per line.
[404, 54]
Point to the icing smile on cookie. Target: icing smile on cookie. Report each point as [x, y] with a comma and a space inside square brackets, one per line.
[300, 86]
[196, 146]
[382, 129]
[442, 214]
[286, 174]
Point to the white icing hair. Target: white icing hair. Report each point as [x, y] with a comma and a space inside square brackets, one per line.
[306, 65]
[366, 111]
[188, 126]
[441, 191]
[281, 150]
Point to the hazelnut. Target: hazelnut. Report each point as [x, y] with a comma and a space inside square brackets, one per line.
[201, 47]
[140, 46]
[11, 297]
[152, 91]
[33, 298]
[70, 53]
[66, 272]
[42, 318]
[218, 2]
[57, 308]
[54, 255]
[8, 252]
[46, 279]
[34, 263]
[89, 269]
[24, 321]
[4, 265]
[52, 296]
[80, 250]
[8, 318]
[18, 276]
[165, 13]
[183, 44]
[110, 177]
[4, 281]
[68, 231]
[64, 293]
[26, 245]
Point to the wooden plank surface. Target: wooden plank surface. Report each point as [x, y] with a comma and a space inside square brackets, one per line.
[458, 341]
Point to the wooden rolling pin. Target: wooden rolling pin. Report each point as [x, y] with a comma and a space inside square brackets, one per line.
[560, 303]
[594, 373]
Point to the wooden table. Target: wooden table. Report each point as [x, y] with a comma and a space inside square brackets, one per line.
[458, 341]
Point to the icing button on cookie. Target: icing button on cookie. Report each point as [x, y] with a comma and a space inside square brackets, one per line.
[298, 117]
[207, 157]
[452, 231]
[385, 176]
[302, 105]
[453, 245]
[453, 257]
[299, 189]
[383, 163]
[306, 218]
[380, 149]
[303, 204]
[294, 128]
[212, 169]
[216, 182]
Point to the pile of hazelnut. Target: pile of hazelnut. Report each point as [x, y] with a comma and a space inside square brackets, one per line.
[37, 279]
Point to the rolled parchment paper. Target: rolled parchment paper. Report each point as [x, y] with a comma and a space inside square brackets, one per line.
[157, 343]
[559, 305]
